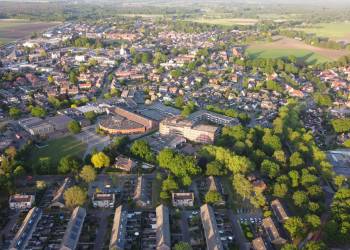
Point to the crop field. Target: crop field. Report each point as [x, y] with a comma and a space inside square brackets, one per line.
[284, 47]
[225, 21]
[332, 30]
[13, 29]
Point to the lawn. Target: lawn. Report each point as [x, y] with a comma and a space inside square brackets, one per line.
[331, 30]
[304, 55]
[56, 149]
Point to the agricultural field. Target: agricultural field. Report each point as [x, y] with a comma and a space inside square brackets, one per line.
[13, 29]
[336, 31]
[284, 47]
[56, 149]
[225, 21]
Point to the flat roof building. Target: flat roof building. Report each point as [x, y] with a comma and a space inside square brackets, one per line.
[119, 229]
[26, 230]
[163, 228]
[182, 199]
[182, 127]
[102, 200]
[212, 235]
[21, 201]
[205, 115]
[71, 236]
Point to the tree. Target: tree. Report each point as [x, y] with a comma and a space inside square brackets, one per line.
[294, 177]
[90, 115]
[313, 221]
[313, 245]
[215, 168]
[212, 197]
[41, 185]
[179, 102]
[242, 186]
[295, 160]
[280, 190]
[19, 171]
[341, 125]
[88, 174]
[68, 165]
[269, 168]
[300, 198]
[142, 150]
[50, 79]
[74, 196]
[74, 127]
[289, 247]
[100, 160]
[295, 226]
[182, 246]
[11, 152]
[38, 112]
[339, 180]
[15, 113]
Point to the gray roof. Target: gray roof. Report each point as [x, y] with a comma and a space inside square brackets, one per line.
[27, 228]
[119, 228]
[71, 236]
[163, 228]
[210, 227]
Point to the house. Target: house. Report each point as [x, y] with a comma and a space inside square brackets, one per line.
[124, 163]
[71, 236]
[19, 201]
[182, 199]
[258, 244]
[272, 233]
[58, 200]
[101, 200]
[24, 233]
[118, 240]
[211, 231]
[279, 211]
[163, 228]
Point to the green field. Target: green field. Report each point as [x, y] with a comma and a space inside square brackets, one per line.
[224, 21]
[331, 30]
[56, 149]
[304, 55]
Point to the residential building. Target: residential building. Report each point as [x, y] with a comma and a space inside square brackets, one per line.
[71, 236]
[271, 232]
[101, 200]
[163, 228]
[21, 201]
[279, 211]
[26, 230]
[182, 199]
[212, 235]
[58, 200]
[124, 163]
[258, 244]
[117, 241]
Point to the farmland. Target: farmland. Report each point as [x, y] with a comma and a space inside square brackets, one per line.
[331, 30]
[284, 47]
[13, 29]
[225, 21]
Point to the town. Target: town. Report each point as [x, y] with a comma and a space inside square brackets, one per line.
[136, 133]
